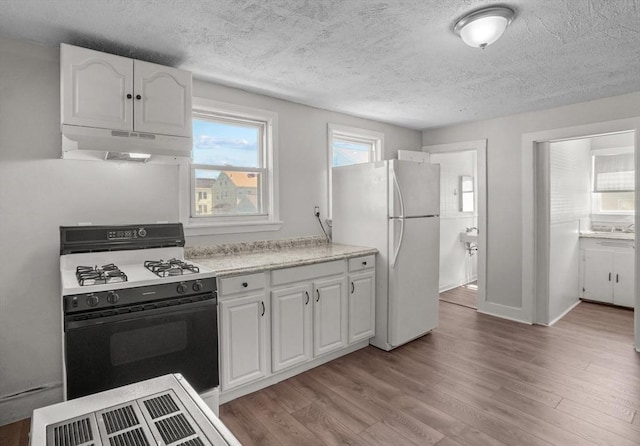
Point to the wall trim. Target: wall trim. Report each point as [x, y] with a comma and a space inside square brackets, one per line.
[564, 313]
[21, 405]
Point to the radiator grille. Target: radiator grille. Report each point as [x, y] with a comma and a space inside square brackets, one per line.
[119, 419]
[134, 437]
[160, 406]
[73, 433]
[174, 428]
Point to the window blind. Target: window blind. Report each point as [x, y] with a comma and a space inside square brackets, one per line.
[614, 173]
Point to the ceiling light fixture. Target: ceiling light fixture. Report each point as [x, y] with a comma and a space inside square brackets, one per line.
[484, 26]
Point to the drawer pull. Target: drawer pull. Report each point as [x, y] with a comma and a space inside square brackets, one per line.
[245, 284]
[364, 263]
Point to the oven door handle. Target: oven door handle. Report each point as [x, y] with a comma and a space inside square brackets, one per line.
[203, 305]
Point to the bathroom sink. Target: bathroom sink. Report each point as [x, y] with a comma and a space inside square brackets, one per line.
[469, 237]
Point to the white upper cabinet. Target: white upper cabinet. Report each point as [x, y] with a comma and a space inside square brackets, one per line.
[97, 89]
[162, 99]
[106, 91]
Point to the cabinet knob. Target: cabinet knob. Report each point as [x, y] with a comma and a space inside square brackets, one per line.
[129, 96]
[138, 97]
[245, 284]
[364, 263]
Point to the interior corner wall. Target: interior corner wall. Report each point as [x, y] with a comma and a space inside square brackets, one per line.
[40, 192]
[504, 172]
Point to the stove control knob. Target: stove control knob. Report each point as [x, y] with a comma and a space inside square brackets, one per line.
[142, 232]
[112, 297]
[182, 288]
[197, 286]
[92, 300]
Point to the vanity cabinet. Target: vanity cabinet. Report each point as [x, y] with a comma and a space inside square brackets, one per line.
[112, 92]
[608, 272]
[244, 330]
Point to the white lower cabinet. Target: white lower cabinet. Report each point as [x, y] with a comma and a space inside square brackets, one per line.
[277, 322]
[243, 339]
[330, 312]
[608, 273]
[290, 326]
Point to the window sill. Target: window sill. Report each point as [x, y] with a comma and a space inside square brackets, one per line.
[198, 229]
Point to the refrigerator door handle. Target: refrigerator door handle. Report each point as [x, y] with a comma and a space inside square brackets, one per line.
[397, 187]
[399, 245]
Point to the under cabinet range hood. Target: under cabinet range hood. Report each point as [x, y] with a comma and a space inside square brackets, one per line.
[116, 108]
[89, 143]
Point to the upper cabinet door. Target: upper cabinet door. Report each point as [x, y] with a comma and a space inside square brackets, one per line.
[162, 102]
[94, 88]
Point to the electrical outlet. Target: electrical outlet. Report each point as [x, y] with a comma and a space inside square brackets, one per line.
[316, 211]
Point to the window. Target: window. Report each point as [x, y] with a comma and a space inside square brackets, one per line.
[232, 172]
[350, 145]
[614, 183]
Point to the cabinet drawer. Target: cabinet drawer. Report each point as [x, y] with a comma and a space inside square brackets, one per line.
[306, 272]
[360, 263]
[238, 284]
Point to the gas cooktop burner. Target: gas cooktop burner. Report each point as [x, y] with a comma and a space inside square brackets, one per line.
[173, 267]
[93, 275]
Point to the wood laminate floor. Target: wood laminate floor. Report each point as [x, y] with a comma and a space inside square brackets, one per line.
[477, 380]
[465, 295]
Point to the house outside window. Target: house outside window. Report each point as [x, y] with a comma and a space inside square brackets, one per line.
[352, 145]
[232, 173]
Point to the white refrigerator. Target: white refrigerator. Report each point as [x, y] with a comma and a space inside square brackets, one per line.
[394, 206]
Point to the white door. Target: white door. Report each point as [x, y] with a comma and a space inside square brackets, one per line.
[413, 278]
[291, 326]
[598, 275]
[162, 100]
[243, 340]
[361, 306]
[414, 189]
[329, 316]
[623, 282]
[96, 89]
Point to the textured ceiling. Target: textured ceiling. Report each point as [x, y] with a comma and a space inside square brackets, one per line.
[395, 61]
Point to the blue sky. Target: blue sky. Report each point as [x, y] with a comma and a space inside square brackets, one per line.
[225, 144]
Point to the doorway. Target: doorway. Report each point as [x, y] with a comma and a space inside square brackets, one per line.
[585, 220]
[462, 222]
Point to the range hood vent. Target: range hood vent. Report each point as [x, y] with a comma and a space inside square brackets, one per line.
[92, 143]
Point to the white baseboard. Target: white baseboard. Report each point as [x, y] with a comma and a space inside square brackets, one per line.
[21, 406]
[503, 312]
[452, 286]
[564, 313]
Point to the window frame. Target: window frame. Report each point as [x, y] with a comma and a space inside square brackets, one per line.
[268, 220]
[354, 134]
[596, 197]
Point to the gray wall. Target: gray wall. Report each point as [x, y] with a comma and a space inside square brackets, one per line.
[39, 192]
[504, 171]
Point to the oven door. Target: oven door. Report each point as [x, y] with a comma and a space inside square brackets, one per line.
[110, 350]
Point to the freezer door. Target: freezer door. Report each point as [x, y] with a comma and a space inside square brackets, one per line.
[413, 278]
[414, 189]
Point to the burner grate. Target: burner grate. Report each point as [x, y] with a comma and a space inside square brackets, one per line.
[172, 267]
[94, 275]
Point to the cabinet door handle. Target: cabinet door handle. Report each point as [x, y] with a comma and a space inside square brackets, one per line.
[138, 97]
[616, 278]
[353, 288]
[129, 96]
[245, 284]
[609, 277]
[263, 308]
[307, 302]
[318, 294]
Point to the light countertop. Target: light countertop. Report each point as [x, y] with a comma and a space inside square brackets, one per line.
[247, 261]
[609, 235]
